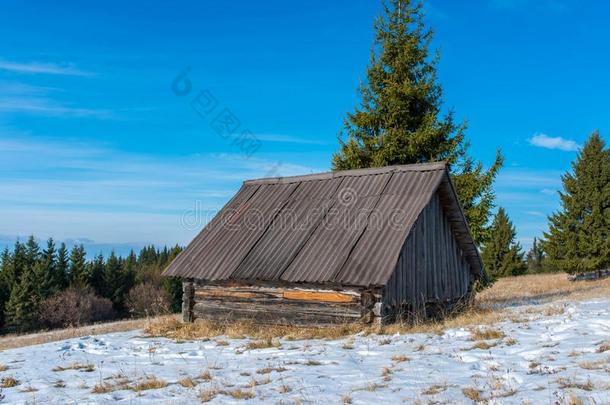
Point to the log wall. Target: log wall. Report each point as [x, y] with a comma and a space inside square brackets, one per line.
[278, 304]
[431, 269]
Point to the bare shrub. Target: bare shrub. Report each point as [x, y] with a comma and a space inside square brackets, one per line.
[75, 307]
[147, 300]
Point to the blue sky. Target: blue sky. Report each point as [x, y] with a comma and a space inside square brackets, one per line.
[96, 147]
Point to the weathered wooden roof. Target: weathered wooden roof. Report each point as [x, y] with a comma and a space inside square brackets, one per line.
[343, 227]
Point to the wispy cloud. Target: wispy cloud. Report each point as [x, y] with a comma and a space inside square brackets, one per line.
[17, 97]
[48, 107]
[66, 69]
[289, 139]
[558, 143]
[71, 189]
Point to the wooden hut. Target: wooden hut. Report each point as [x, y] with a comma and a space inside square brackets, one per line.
[357, 245]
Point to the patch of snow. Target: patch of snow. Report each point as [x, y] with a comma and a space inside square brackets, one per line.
[547, 359]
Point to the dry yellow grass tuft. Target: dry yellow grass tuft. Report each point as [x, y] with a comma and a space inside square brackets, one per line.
[399, 358]
[434, 389]
[568, 383]
[487, 334]
[268, 370]
[604, 347]
[85, 367]
[207, 395]
[483, 345]
[3, 367]
[149, 383]
[596, 364]
[346, 399]
[187, 382]
[205, 375]
[263, 381]
[8, 382]
[472, 393]
[263, 344]
[239, 394]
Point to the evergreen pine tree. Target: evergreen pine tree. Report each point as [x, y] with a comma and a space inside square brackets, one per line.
[501, 255]
[32, 252]
[63, 264]
[578, 239]
[96, 275]
[5, 285]
[22, 306]
[17, 265]
[535, 258]
[113, 281]
[52, 280]
[78, 267]
[399, 120]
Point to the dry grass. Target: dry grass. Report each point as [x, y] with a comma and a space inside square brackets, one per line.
[284, 389]
[510, 341]
[268, 370]
[346, 399]
[8, 382]
[263, 344]
[472, 393]
[483, 345]
[595, 365]
[486, 311]
[207, 395]
[149, 383]
[187, 382]
[567, 383]
[3, 367]
[255, 383]
[400, 358]
[543, 287]
[122, 383]
[239, 394]
[14, 340]
[434, 389]
[205, 375]
[84, 367]
[487, 334]
[604, 347]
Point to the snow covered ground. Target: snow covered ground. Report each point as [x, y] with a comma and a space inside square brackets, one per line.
[547, 354]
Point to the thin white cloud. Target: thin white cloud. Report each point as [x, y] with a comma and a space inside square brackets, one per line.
[558, 143]
[67, 69]
[48, 107]
[73, 189]
[289, 139]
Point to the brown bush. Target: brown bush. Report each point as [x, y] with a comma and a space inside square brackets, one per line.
[75, 307]
[148, 300]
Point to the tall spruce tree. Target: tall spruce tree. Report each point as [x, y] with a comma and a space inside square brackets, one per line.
[502, 255]
[96, 275]
[23, 304]
[535, 258]
[400, 119]
[113, 281]
[78, 267]
[5, 285]
[63, 263]
[578, 239]
[52, 279]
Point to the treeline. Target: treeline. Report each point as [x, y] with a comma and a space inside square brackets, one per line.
[56, 287]
[578, 239]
